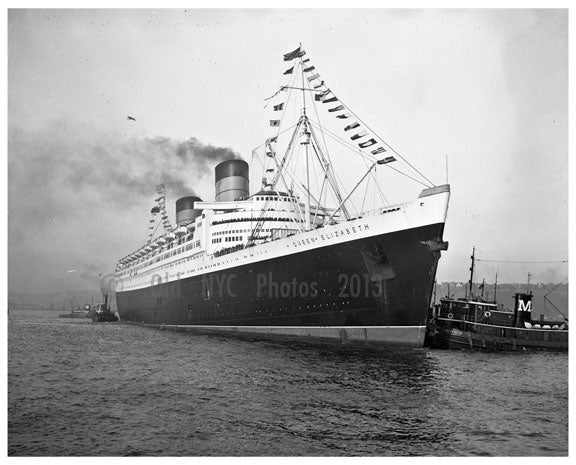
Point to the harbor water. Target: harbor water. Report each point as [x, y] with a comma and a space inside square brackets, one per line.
[77, 388]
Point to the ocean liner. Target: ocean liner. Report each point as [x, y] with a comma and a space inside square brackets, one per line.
[297, 257]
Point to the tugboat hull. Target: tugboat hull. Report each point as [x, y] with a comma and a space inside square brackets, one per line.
[464, 335]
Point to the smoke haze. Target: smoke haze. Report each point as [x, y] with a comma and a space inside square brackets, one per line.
[70, 188]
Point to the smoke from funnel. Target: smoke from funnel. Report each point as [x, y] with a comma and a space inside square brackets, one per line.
[108, 285]
[89, 183]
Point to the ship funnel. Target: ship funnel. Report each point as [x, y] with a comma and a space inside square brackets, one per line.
[232, 180]
[522, 309]
[185, 211]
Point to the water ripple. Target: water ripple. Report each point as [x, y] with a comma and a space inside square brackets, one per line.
[81, 389]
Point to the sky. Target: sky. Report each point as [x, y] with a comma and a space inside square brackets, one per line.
[480, 96]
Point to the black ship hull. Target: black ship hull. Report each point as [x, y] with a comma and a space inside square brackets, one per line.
[381, 281]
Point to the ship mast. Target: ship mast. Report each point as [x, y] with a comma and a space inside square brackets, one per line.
[160, 207]
[495, 286]
[361, 139]
[308, 139]
[469, 296]
[305, 141]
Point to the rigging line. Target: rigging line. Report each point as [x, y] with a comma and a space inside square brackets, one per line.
[247, 134]
[287, 153]
[362, 154]
[374, 195]
[340, 183]
[365, 193]
[332, 178]
[285, 167]
[370, 176]
[302, 88]
[264, 161]
[279, 134]
[303, 93]
[301, 216]
[315, 177]
[557, 285]
[292, 173]
[374, 192]
[151, 232]
[344, 142]
[324, 179]
[326, 161]
[512, 261]
[156, 228]
[262, 218]
[384, 142]
[376, 183]
[321, 131]
[382, 196]
[253, 174]
[327, 89]
[284, 111]
[356, 211]
[327, 169]
[150, 236]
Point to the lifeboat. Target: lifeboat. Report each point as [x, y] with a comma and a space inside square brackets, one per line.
[154, 245]
[161, 241]
[180, 231]
[147, 249]
[170, 236]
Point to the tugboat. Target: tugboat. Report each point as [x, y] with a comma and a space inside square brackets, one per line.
[102, 312]
[473, 323]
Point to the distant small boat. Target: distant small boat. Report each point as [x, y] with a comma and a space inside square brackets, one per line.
[77, 313]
